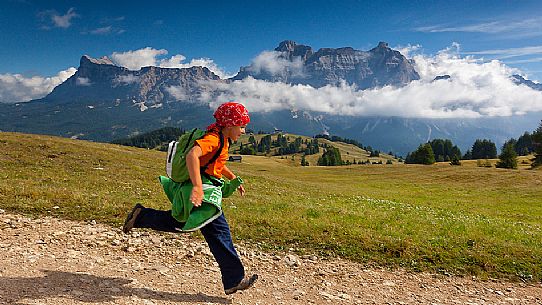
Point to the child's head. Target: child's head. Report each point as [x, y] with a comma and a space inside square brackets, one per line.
[232, 119]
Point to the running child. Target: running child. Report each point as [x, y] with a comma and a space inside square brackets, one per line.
[197, 203]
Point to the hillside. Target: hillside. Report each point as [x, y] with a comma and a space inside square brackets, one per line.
[348, 151]
[159, 139]
[451, 220]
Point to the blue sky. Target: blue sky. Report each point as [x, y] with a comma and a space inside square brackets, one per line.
[231, 33]
[42, 42]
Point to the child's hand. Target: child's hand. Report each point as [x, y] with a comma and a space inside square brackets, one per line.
[241, 190]
[196, 197]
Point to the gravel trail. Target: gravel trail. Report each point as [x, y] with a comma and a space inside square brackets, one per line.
[54, 261]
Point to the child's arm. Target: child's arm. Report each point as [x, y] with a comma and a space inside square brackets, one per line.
[193, 165]
[226, 172]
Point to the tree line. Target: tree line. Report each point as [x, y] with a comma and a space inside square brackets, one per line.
[281, 145]
[439, 150]
[156, 139]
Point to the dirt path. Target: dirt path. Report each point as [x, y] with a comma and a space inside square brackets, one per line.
[52, 261]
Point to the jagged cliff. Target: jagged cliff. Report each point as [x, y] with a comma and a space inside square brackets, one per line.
[377, 67]
[101, 80]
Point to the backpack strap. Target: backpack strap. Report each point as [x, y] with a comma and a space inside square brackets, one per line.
[217, 154]
[190, 139]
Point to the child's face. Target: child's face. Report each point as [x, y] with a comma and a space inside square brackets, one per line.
[234, 132]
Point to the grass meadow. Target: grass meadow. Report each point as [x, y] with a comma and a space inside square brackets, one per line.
[459, 220]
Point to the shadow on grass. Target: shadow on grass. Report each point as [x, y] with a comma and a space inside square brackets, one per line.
[87, 288]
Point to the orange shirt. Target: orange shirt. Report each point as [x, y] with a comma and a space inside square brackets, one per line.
[209, 145]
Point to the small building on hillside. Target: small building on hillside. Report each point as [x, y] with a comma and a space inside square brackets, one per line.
[235, 158]
[277, 131]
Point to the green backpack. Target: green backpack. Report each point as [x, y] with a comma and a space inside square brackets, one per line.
[176, 168]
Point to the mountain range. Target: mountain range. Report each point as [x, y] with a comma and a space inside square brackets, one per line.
[102, 101]
[378, 67]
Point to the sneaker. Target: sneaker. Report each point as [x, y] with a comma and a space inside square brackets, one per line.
[245, 283]
[131, 218]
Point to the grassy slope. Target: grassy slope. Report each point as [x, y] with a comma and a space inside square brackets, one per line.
[348, 151]
[462, 220]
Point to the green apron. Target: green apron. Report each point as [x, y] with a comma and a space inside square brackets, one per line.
[184, 211]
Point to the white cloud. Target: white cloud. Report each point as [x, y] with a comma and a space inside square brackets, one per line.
[177, 61]
[57, 20]
[475, 89]
[172, 62]
[408, 50]
[524, 61]
[135, 60]
[126, 79]
[273, 63]
[17, 88]
[531, 25]
[511, 52]
[83, 81]
[178, 92]
[64, 21]
[102, 31]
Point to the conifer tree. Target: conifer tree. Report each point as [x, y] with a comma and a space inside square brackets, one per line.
[455, 160]
[423, 155]
[331, 157]
[508, 157]
[484, 149]
[537, 145]
[524, 145]
[251, 139]
[426, 155]
[247, 150]
[304, 161]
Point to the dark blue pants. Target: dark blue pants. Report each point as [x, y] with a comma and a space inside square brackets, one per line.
[216, 233]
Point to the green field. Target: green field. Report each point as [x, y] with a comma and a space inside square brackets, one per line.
[463, 220]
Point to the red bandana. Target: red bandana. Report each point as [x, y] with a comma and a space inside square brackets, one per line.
[230, 114]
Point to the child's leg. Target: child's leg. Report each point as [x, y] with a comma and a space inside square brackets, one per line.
[218, 237]
[157, 220]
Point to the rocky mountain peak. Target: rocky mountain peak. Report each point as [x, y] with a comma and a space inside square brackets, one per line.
[101, 80]
[382, 48]
[97, 68]
[291, 49]
[383, 45]
[367, 69]
[520, 80]
[286, 46]
[85, 59]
